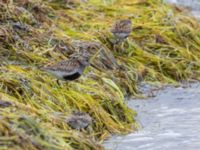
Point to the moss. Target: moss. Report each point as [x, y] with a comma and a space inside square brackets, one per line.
[163, 47]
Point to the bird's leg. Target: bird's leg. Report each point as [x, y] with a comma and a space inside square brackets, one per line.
[117, 44]
[113, 44]
[118, 47]
[122, 48]
[58, 82]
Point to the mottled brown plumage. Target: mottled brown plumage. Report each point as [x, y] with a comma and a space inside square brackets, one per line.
[121, 29]
[69, 69]
[79, 120]
[4, 104]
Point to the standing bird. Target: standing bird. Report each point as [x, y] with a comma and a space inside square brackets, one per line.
[79, 120]
[69, 70]
[121, 30]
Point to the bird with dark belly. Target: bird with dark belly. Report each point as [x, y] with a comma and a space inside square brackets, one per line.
[69, 70]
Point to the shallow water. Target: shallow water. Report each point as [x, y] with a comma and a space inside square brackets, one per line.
[194, 5]
[170, 121]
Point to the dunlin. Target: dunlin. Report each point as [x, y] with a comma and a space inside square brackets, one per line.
[4, 104]
[70, 69]
[121, 30]
[79, 120]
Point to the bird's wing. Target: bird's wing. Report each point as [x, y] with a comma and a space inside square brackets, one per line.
[68, 66]
[122, 26]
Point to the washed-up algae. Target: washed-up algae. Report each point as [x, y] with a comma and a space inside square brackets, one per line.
[164, 46]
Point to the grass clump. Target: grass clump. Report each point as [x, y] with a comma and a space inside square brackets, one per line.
[164, 46]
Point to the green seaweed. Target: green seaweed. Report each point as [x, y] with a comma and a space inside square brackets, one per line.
[163, 47]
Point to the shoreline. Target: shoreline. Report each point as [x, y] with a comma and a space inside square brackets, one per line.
[166, 119]
[163, 47]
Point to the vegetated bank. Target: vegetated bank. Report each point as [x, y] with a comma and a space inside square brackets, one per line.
[164, 46]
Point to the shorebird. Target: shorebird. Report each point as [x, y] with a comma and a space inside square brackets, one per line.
[69, 70]
[4, 104]
[121, 29]
[79, 120]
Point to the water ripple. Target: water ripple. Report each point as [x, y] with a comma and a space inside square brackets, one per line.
[168, 121]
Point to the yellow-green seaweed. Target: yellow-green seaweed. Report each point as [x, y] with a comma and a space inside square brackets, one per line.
[164, 46]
